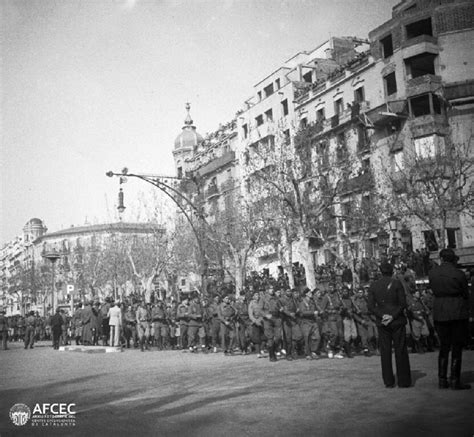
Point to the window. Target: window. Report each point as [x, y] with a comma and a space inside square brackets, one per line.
[303, 122]
[398, 161]
[180, 172]
[320, 115]
[429, 146]
[277, 84]
[259, 120]
[451, 237]
[420, 65]
[308, 77]
[245, 129]
[359, 94]
[259, 94]
[425, 147]
[269, 115]
[421, 27]
[390, 84]
[286, 136]
[387, 46]
[430, 241]
[284, 107]
[420, 105]
[338, 106]
[268, 90]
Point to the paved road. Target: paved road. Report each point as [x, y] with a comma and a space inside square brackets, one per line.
[179, 394]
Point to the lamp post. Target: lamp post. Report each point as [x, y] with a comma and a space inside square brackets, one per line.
[185, 205]
[53, 257]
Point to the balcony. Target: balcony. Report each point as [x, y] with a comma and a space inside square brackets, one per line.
[362, 182]
[427, 83]
[419, 45]
[387, 112]
[217, 163]
[428, 125]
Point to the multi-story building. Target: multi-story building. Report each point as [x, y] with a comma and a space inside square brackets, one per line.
[372, 112]
[397, 104]
[25, 274]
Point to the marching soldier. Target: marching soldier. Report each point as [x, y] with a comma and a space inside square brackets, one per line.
[307, 318]
[195, 317]
[214, 322]
[348, 321]
[418, 326]
[227, 314]
[332, 306]
[271, 322]
[182, 317]
[129, 326]
[30, 324]
[143, 325]
[288, 312]
[160, 325]
[365, 324]
[256, 320]
[242, 323]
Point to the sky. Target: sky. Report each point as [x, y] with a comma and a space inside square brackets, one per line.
[89, 86]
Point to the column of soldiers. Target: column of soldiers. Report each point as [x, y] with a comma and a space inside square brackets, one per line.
[271, 322]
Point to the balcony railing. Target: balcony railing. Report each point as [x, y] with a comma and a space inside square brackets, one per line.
[423, 84]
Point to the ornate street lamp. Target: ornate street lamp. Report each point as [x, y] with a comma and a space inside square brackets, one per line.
[53, 257]
[393, 222]
[121, 206]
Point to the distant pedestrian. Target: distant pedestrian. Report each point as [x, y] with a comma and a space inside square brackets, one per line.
[451, 317]
[56, 327]
[387, 301]
[3, 329]
[115, 323]
[30, 330]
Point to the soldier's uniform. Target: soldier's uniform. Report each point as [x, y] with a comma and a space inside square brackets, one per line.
[272, 323]
[291, 328]
[160, 325]
[348, 323]
[365, 324]
[182, 316]
[30, 323]
[256, 320]
[332, 306]
[195, 316]
[418, 326]
[242, 324]
[214, 323]
[307, 319]
[143, 326]
[227, 329]
[76, 323]
[20, 329]
[129, 326]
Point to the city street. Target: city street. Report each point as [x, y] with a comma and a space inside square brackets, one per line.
[173, 393]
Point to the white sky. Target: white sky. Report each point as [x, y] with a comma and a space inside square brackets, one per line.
[94, 85]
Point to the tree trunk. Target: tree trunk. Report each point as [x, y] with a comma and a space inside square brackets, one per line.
[303, 248]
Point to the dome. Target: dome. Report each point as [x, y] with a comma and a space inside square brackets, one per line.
[35, 222]
[188, 138]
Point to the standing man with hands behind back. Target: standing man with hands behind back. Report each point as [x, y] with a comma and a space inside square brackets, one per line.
[386, 299]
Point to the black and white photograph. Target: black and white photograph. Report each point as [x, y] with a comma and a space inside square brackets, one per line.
[236, 218]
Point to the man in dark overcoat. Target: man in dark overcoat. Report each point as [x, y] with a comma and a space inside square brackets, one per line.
[451, 317]
[387, 301]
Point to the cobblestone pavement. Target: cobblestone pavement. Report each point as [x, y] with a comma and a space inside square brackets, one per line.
[173, 393]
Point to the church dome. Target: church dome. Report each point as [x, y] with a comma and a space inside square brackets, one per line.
[189, 137]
